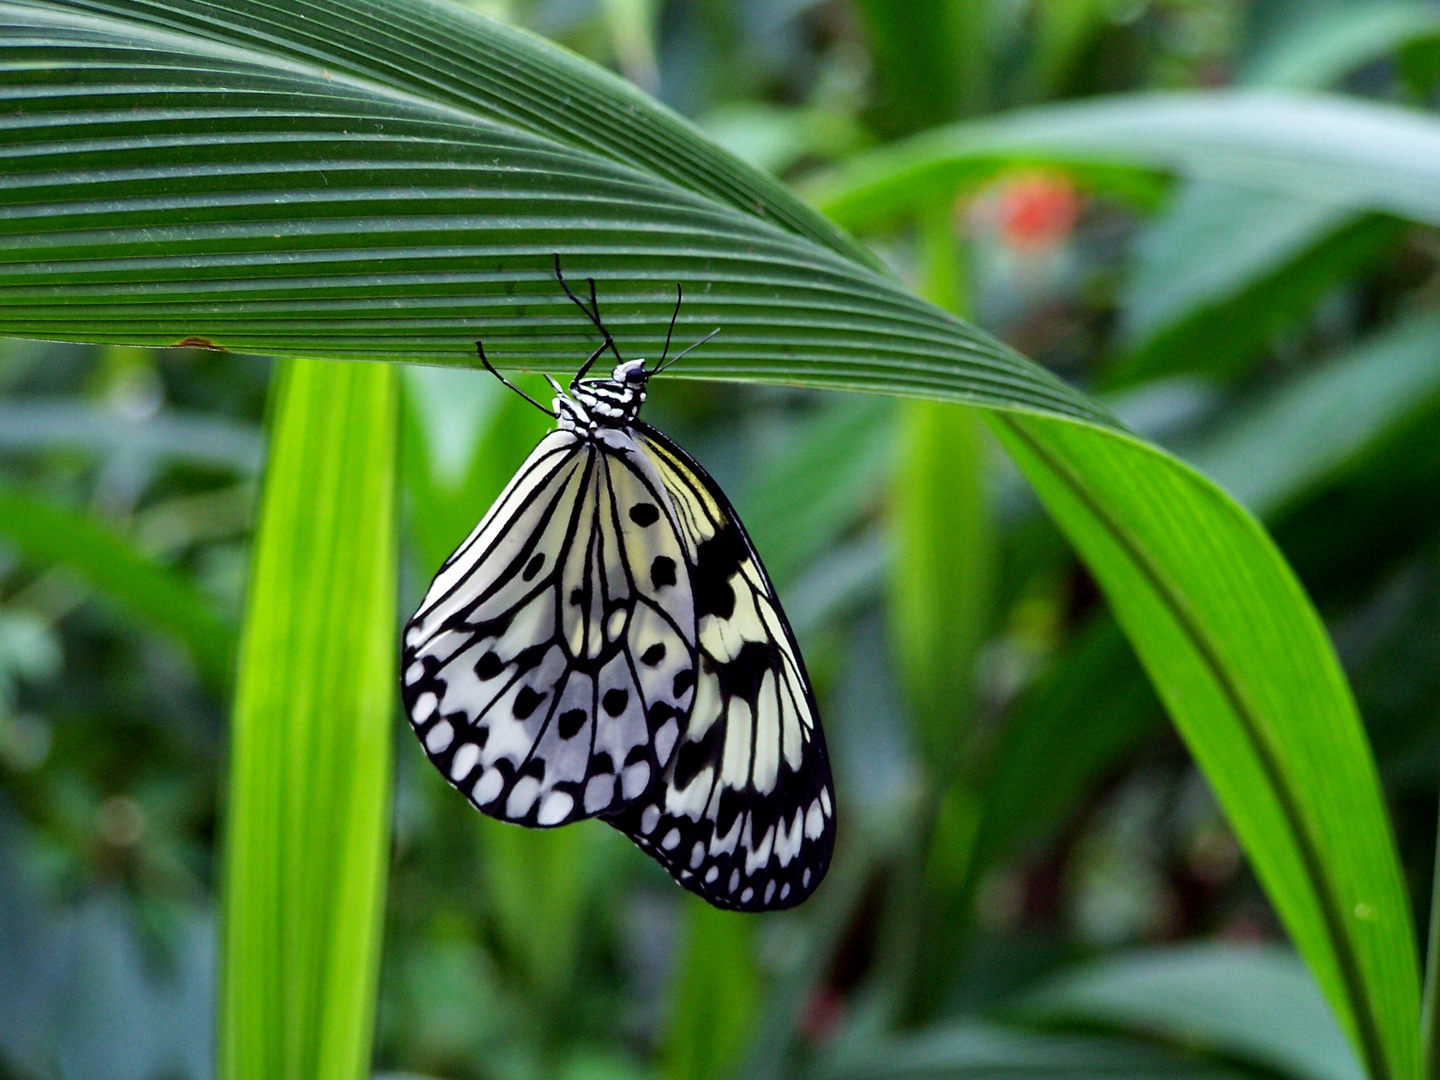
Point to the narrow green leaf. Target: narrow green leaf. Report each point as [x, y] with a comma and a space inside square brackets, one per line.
[463, 437]
[1065, 32]
[171, 435]
[940, 572]
[1252, 683]
[1094, 701]
[110, 562]
[538, 885]
[1290, 440]
[1344, 151]
[1251, 1003]
[713, 1005]
[307, 821]
[931, 59]
[1226, 268]
[1327, 45]
[973, 1051]
[799, 502]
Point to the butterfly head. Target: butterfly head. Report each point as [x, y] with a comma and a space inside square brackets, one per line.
[631, 373]
[606, 403]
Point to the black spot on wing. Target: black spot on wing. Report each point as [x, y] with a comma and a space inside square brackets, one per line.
[662, 572]
[615, 700]
[740, 677]
[526, 701]
[653, 655]
[659, 713]
[717, 560]
[570, 722]
[644, 514]
[695, 755]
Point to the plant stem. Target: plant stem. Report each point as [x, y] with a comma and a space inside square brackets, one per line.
[1430, 1001]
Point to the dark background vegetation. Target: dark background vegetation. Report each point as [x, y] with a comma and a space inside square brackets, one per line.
[1290, 350]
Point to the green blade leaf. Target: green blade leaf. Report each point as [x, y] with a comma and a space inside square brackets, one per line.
[1252, 1003]
[1274, 453]
[306, 179]
[1326, 45]
[972, 1051]
[1248, 676]
[1337, 150]
[308, 815]
[1225, 268]
[714, 1001]
[110, 562]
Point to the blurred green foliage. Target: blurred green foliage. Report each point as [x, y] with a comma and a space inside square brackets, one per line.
[1033, 877]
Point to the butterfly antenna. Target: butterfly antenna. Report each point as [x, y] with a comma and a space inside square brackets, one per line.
[681, 355]
[679, 295]
[491, 368]
[592, 315]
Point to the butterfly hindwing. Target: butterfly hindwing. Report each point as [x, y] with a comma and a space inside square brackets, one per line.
[744, 813]
[550, 666]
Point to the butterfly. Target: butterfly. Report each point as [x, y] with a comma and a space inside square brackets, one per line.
[606, 643]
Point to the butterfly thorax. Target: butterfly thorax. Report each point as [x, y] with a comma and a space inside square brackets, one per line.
[604, 403]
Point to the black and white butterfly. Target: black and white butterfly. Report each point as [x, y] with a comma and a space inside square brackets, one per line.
[606, 643]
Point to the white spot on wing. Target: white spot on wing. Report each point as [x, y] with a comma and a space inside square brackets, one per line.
[555, 808]
[761, 855]
[439, 737]
[634, 779]
[424, 707]
[691, 801]
[735, 769]
[727, 842]
[487, 787]
[767, 736]
[522, 797]
[665, 740]
[465, 758]
[814, 821]
[649, 818]
[671, 839]
[599, 792]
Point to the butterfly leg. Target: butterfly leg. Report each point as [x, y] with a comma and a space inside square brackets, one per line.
[679, 295]
[593, 314]
[480, 348]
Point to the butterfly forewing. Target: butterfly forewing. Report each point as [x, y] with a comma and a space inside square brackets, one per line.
[551, 665]
[744, 813]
